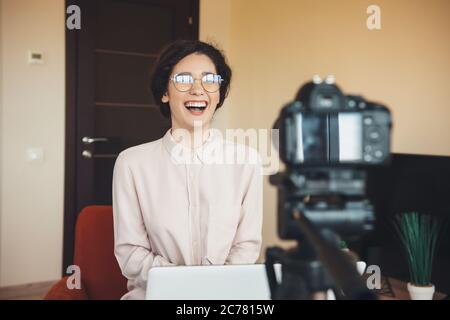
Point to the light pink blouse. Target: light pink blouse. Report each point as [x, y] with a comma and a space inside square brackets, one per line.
[177, 206]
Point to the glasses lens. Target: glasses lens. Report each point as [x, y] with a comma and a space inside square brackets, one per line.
[211, 82]
[183, 81]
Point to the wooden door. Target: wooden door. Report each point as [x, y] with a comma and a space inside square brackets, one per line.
[109, 102]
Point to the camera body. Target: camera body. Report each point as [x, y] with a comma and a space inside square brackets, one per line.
[325, 127]
[326, 139]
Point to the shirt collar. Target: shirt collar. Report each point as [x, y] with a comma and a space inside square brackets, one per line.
[181, 154]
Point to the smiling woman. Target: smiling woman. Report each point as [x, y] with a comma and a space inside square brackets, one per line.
[190, 71]
[190, 101]
[186, 211]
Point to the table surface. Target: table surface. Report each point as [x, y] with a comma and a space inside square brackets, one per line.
[394, 289]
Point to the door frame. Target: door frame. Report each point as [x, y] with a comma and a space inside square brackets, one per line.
[70, 171]
[70, 144]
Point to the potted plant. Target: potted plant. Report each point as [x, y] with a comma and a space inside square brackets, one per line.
[419, 236]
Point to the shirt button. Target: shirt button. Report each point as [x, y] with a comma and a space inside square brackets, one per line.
[191, 174]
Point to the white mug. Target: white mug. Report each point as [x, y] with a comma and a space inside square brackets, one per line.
[361, 267]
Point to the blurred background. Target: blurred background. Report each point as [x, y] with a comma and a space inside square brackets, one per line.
[47, 72]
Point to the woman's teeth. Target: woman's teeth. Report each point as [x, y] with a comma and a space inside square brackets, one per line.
[196, 107]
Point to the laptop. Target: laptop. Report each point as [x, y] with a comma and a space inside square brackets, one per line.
[215, 282]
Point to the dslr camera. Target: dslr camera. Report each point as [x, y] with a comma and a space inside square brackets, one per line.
[327, 139]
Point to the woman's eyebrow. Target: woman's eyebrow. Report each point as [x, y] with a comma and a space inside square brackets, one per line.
[190, 73]
[203, 73]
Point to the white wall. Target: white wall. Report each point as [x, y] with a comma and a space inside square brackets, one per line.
[33, 101]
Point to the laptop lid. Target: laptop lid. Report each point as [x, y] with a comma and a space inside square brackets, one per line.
[215, 282]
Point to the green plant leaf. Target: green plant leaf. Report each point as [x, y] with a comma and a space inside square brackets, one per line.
[419, 235]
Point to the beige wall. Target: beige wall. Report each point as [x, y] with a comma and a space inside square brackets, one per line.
[275, 46]
[31, 199]
[214, 27]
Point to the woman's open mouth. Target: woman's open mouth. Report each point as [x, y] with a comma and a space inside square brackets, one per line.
[196, 108]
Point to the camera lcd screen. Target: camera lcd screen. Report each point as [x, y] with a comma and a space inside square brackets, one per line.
[329, 137]
[350, 136]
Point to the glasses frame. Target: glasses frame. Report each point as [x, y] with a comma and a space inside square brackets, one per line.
[195, 79]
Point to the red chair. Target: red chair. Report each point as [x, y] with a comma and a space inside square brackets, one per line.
[101, 277]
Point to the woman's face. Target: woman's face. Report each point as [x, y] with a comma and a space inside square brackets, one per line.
[189, 106]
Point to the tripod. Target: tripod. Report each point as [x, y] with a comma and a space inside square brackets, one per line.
[315, 265]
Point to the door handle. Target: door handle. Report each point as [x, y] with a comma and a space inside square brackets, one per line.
[89, 140]
[89, 155]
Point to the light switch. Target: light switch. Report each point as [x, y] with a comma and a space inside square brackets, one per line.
[35, 57]
[35, 154]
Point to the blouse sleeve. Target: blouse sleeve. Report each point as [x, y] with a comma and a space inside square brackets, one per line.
[247, 241]
[131, 245]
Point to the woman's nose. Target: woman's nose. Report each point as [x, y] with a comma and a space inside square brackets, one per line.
[197, 87]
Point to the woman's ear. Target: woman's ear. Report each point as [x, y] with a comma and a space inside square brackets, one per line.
[165, 98]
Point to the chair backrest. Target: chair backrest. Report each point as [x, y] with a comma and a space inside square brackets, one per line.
[94, 254]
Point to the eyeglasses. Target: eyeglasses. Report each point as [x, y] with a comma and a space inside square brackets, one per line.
[185, 81]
